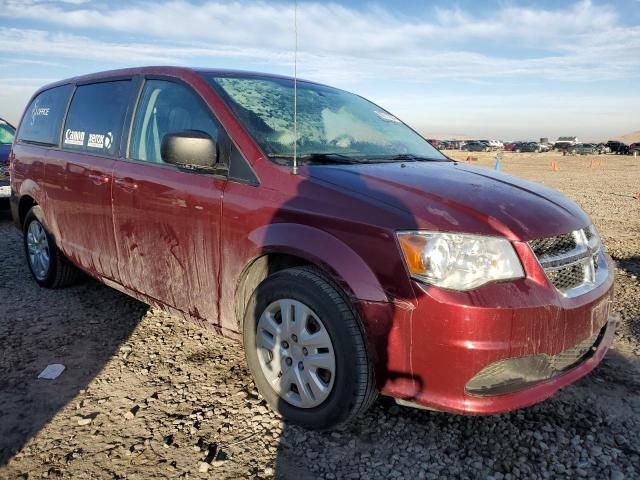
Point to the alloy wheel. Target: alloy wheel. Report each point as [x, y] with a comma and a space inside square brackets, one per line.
[38, 250]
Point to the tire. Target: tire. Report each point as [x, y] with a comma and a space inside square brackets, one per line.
[351, 387]
[57, 272]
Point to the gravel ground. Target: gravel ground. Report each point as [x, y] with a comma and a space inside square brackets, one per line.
[147, 396]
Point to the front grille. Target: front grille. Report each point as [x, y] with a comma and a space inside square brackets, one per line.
[573, 262]
[546, 247]
[568, 277]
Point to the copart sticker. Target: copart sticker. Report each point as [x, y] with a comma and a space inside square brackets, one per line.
[387, 117]
[98, 140]
[73, 137]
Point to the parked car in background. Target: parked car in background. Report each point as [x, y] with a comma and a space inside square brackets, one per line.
[619, 148]
[634, 147]
[585, 149]
[545, 146]
[7, 132]
[488, 144]
[529, 147]
[563, 146]
[477, 146]
[602, 148]
[372, 263]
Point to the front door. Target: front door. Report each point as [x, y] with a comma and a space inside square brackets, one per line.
[167, 219]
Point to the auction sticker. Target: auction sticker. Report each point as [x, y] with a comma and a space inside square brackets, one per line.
[5, 191]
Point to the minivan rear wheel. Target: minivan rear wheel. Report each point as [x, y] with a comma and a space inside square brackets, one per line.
[47, 264]
[306, 350]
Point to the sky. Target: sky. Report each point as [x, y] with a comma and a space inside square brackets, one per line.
[500, 69]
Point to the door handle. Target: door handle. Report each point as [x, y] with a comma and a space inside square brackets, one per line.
[127, 184]
[98, 178]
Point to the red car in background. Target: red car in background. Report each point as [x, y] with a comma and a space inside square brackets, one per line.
[360, 261]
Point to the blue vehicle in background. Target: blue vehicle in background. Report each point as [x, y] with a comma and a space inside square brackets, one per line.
[7, 132]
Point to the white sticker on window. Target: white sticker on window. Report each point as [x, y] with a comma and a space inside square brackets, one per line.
[98, 140]
[95, 140]
[73, 137]
[387, 117]
[38, 111]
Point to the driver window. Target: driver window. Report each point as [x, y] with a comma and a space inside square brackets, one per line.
[166, 107]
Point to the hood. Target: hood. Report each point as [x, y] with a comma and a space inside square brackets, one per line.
[455, 197]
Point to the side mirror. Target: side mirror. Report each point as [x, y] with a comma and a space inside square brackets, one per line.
[189, 149]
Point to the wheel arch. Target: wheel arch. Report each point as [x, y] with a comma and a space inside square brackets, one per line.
[285, 245]
[26, 203]
[29, 195]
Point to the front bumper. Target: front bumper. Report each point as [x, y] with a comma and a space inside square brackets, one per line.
[429, 350]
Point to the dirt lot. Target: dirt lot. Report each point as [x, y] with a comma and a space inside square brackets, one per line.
[148, 396]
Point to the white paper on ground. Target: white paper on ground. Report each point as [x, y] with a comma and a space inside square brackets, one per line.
[52, 371]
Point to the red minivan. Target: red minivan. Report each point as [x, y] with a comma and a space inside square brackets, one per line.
[373, 263]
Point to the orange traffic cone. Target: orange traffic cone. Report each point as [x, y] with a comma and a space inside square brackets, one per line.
[554, 165]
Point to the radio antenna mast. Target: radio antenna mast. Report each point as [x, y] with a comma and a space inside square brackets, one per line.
[295, 89]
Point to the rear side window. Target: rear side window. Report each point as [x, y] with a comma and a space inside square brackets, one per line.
[96, 116]
[44, 116]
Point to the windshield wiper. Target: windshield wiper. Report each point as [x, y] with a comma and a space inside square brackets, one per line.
[413, 158]
[319, 157]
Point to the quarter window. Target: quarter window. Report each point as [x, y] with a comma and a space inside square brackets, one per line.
[96, 116]
[167, 107]
[43, 118]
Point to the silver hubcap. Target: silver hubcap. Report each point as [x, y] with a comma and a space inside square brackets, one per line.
[38, 248]
[295, 353]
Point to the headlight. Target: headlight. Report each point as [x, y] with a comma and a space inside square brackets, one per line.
[459, 261]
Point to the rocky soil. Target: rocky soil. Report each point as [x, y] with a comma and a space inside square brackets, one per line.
[145, 395]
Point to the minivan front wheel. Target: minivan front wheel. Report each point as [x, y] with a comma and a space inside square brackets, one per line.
[48, 267]
[306, 351]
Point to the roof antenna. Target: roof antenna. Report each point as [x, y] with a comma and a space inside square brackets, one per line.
[294, 171]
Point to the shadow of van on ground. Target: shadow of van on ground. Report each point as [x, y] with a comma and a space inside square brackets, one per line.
[33, 334]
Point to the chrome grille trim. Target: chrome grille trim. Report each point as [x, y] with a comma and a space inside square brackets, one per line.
[573, 262]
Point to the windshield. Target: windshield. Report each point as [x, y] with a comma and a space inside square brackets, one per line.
[6, 133]
[332, 125]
